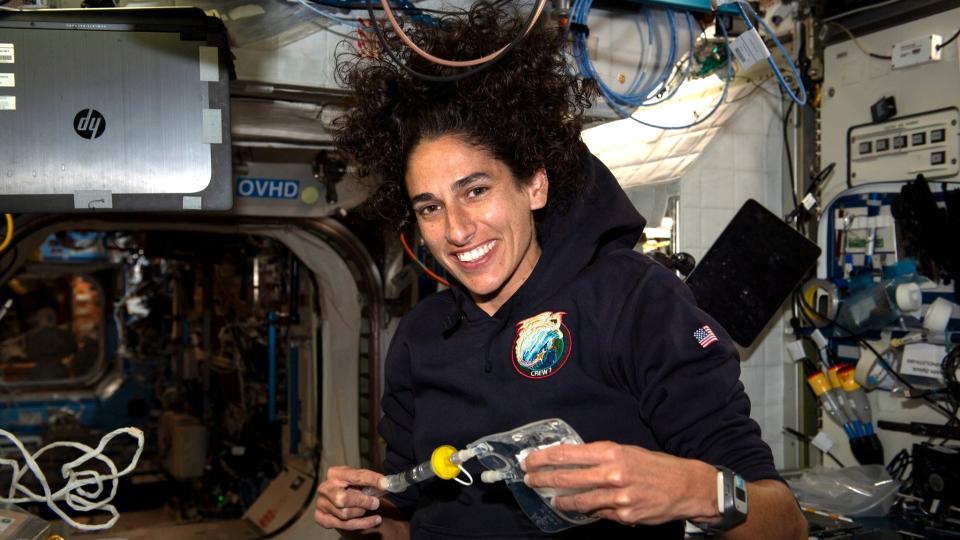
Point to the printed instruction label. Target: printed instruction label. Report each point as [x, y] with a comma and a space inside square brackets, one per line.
[749, 48]
[192, 203]
[7, 80]
[209, 67]
[92, 199]
[211, 128]
[8, 103]
[922, 360]
[7, 55]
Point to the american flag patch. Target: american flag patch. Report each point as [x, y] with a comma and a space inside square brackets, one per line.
[704, 336]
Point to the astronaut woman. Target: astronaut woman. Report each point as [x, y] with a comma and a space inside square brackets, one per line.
[536, 236]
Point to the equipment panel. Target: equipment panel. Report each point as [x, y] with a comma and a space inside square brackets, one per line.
[902, 148]
[854, 82]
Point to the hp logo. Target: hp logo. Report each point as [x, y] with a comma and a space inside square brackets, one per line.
[89, 124]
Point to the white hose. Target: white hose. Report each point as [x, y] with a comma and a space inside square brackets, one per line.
[83, 487]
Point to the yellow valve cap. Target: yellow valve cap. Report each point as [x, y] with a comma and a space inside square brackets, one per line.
[818, 383]
[441, 464]
[847, 379]
[834, 373]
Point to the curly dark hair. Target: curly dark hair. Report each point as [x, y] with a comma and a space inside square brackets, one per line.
[526, 110]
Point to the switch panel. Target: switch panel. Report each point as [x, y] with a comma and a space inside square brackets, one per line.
[901, 148]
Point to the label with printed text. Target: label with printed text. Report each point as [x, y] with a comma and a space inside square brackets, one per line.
[7, 53]
[749, 48]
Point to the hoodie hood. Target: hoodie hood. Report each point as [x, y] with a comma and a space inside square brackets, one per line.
[600, 221]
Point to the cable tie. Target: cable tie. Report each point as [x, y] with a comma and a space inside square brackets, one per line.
[580, 29]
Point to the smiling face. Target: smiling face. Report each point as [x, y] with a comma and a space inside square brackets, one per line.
[475, 217]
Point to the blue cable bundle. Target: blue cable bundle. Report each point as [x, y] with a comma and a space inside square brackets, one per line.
[415, 14]
[686, 70]
[352, 23]
[745, 8]
[639, 94]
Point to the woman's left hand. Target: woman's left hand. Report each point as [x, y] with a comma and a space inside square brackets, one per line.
[626, 484]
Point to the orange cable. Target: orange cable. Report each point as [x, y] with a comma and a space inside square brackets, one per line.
[453, 63]
[406, 247]
[8, 236]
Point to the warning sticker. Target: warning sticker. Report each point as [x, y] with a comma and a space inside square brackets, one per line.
[7, 80]
[8, 103]
[6, 53]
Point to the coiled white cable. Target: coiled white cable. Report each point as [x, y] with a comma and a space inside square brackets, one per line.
[83, 487]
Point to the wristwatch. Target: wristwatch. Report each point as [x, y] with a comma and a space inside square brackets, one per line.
[731, 501]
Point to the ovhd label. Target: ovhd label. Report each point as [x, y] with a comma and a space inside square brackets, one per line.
[267, 188]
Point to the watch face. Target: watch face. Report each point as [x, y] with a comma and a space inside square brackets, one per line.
[731, 500]
[740, 494]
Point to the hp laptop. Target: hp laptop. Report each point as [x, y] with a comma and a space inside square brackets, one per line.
[114, 109]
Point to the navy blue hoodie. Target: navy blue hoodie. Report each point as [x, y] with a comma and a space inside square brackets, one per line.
[634, 361]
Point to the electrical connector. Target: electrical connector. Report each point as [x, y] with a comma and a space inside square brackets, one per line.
[916, 51]
[819, 339]
[795, 350]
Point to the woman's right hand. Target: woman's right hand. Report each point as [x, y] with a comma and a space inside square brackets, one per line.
[340, 502]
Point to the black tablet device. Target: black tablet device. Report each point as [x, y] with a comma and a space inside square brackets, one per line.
[750, 270]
